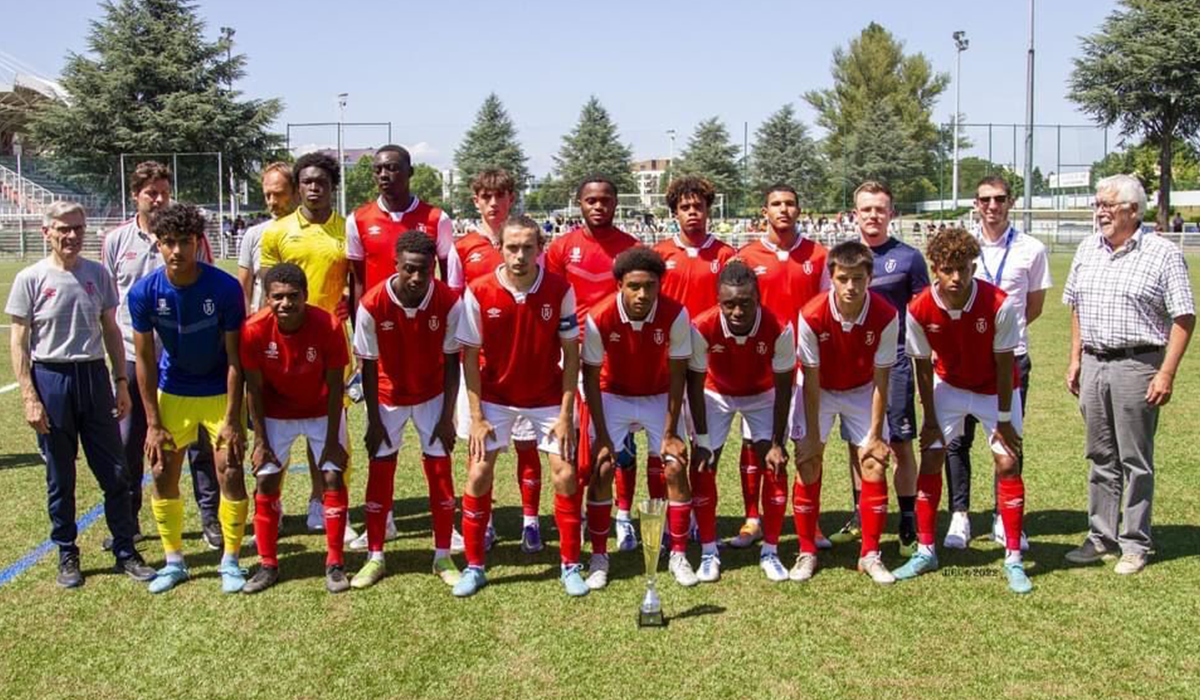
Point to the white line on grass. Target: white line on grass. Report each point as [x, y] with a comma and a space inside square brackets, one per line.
[8, 387]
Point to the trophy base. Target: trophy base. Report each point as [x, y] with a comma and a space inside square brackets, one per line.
[651, 619]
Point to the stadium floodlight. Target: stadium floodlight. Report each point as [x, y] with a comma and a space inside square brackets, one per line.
[960, 44]
[341, 101]
[671, 153]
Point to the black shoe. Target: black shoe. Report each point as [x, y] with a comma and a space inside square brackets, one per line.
[135, 568]
[212, 535]
[69, 575]
[264, 578]
[335, 579]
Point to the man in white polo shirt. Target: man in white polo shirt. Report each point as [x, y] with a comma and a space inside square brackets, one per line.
[1016, 263]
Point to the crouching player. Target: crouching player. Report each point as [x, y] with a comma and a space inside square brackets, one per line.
[743, 361]
[962, 333]
[196, 311]
[294, 357]
[405, 335]
[847, 345]
[636, 346]
[518, 322]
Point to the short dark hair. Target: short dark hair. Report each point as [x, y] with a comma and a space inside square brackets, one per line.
[690, 186]
[177, 219]
[285, 273]
[851, 254]
[874, 187]
[952, 245]
[493, 180]
[638, 258]
[592, 179]
[399, 150]
[737, 274]
[522, 222]
[145, 173]
[995, 181]
[324, 161]
[780, 187]
[417, 242]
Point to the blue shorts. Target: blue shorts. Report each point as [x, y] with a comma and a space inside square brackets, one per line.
[901, 408]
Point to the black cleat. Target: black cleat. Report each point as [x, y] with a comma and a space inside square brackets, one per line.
[69, 574]
[264, 578]
[212, 535]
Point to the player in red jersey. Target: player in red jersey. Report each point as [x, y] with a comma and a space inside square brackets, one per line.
[584, 256]
[636, 346]
[694, 257]
[405, 336]
[965, 330]
[791, 270]
[743, 361]
[294, 357]
[475, 255]
[517, 324]
[847, 346]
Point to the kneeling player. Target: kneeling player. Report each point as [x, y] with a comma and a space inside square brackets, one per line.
[743, 361]
[847, 345]
[965, 330]
[636, 346]
[517, 323]
[405, 336]
[196, 312]
[294, 357]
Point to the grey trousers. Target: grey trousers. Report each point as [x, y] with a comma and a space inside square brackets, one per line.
[1120, 449]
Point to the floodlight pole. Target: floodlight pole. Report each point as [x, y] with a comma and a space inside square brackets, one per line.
[960, 43]
[1027, 219]
[671, 153]
[341, 100]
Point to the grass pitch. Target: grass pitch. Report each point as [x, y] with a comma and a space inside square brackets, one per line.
[1083, 632]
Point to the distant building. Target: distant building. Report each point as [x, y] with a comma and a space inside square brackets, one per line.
[648, 174]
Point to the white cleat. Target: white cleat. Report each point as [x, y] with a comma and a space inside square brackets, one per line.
[597, 577]
[804, 568]
[872, 565]
[682, 570]
[959, 533]
[456, 542]
[351, 537]
[772, 567]
[1000, 539]
[710, 568]
[359, 542]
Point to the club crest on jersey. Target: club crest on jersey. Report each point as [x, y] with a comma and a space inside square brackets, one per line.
[373, 230]
[889, 266]
[434, 323]
[272, 350]
[475, 257]
[90, 288]
[761, 347]
[387, 326]
[870, 339]
[311, 354]
[163, 309]
[421, 228]
[576, 255]
[209, 307]
[547, 312]
[49, 292]
[981, 325]
[659, 336]
[808, 267]
[934, 328]
[493, 312]
[715, 266]
[824, 337]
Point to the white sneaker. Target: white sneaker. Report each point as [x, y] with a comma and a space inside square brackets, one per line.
[710, 568]
[772, 567]
[316, 516]
[682, 570]
[626, 536]
[959, 533]
[351, 536]
[804, 568]
[872, 565]
[389, 531]
[456, 542]
[358, 543]
[998, 534]
[597, 577]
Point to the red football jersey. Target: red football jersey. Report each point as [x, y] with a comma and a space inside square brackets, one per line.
[787, 279]
[473, 256]
[371, 234]
[692, 272]
[847, 351]
[963, 342]
[410, 344]
[633, 355]
[586, 261]
[520, 337]
[741, 365]
[293, 365]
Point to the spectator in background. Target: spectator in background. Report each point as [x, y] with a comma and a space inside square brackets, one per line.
[1177, 223]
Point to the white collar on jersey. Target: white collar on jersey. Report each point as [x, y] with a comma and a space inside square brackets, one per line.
[409, 312]
[693, 252]
[862, 314]
[954, 313]
[741, 339]
[396, 215]
[637, 325]
[766, 241]
[519, 296]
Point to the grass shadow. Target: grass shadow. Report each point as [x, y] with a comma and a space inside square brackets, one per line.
[20, 460]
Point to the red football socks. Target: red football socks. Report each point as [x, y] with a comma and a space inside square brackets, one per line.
[439, 477]
[599, 520]
[704, 503]
[476, 512]
[266, 528]
[336, 502]
[679, 522]
[752, 478]
[806, 508]
[872, 514]
[567, 517]
[656, 477]
[625, 484]
[929, 496]
[529, 476]
[381, 476]
[1012, 510]
[774, 505]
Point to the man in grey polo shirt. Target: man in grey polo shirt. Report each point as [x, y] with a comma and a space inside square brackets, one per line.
[1132, 315]
[62, 310]
[129, 253]
[280, 196]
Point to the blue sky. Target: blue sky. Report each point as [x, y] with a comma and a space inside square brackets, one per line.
[656, 65]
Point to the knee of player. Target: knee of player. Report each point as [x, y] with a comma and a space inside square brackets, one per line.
[874, 469]
[268, 484]
[332, 479]
[1006, 466]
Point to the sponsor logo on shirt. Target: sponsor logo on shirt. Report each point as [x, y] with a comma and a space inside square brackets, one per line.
[670, 264]
[493, 312]
[981, 325]
[49, 292]
[373, 230]
[761, 347]
[659, 336]
[576, 255]
[715, 348]
[434, 323]
[934, 328]
[310, 354]
[209, 307]
[760, 270]
[614, 337]
[547, 312]
[824, 337]
[870, 338]
[387, 326]
[475, 257]
[890, 266]
[272, 350]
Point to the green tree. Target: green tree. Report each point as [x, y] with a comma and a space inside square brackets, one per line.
[1141, 71]
[783, 152]
[1142, 160]
[151, 83]
[548, 195]
[594, 148]
[426, 185]
[874, 76]
[710, 154]
[360, 183]
[490, 143]
[881, 147]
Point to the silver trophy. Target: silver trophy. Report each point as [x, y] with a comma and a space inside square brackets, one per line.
[652, 513]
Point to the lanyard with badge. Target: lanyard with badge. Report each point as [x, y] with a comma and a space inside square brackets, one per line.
[1008, 239]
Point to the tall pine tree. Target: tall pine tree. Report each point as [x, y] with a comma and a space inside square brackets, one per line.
[783, 152]
[151, 83]
[594, 148]
[711, 154]
[490, 143]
